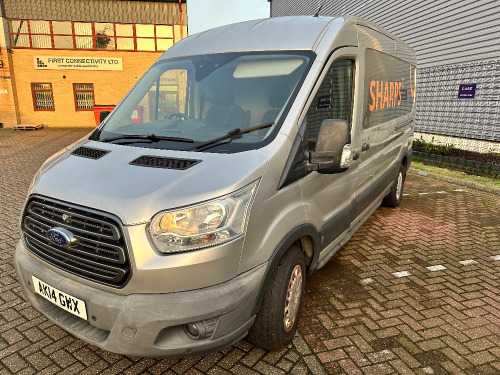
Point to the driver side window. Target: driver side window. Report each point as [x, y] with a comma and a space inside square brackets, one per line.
[333, 99]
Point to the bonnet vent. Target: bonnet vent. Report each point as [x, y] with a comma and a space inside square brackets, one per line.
[90, 153]
[165, 163]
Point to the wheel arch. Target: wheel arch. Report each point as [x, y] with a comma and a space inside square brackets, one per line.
[306, 237]
[404, 162]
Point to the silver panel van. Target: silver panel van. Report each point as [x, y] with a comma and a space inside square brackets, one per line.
[237, 165]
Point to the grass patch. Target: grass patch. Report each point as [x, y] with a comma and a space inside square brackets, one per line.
[456, 174]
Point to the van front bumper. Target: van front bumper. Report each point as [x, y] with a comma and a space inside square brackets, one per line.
[150, 325]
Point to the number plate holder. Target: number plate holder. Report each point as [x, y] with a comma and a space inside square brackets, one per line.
[65, 301]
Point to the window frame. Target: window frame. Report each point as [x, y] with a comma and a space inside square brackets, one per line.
[11, 33]
[133, 37]
[136, 38]
[51, 90]
[73, 43]
[75, 99]
[327, 67]
[94, 37]
[75, 35]
[31, 34]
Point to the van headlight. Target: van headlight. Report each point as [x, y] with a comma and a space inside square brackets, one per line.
[202, 225]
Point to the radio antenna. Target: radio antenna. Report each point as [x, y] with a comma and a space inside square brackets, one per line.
[317, 13]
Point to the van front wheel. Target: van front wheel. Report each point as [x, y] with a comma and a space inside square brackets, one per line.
[393, 199]
[276, 321]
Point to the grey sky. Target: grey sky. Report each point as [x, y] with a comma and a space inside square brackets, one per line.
[207, 14]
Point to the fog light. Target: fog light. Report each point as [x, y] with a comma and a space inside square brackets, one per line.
[201, 330]
[193, 330]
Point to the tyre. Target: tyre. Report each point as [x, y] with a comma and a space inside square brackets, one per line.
[277, 319]
[393, 199]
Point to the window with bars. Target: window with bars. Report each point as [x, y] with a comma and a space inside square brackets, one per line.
[90, 35]
[84, 96]
[43, 97]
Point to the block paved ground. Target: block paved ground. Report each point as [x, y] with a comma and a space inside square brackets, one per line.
[415, 291]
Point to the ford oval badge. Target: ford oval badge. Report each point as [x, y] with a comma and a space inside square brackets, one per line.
[61, 237]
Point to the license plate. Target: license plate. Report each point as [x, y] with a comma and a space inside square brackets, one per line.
[65, 301]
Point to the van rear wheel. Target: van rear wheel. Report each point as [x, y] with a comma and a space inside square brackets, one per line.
[277, 319]
[393, 199]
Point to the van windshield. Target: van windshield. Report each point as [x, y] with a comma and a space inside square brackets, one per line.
[187, 102]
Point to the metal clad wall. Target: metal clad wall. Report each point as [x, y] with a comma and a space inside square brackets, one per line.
[456, 41]
[440, 31]
[96, 10]
[438, 105]
[292, 8]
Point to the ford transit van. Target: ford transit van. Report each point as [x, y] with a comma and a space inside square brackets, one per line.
[237, 165]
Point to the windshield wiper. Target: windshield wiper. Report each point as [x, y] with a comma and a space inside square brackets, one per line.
[231, 134]
[149, 137]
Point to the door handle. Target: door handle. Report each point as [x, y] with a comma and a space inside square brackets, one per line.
[365, 147]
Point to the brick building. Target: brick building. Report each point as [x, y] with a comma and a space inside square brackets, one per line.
[59, 58]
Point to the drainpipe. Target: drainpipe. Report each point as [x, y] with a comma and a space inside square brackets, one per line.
[180, 11]
[8, 54]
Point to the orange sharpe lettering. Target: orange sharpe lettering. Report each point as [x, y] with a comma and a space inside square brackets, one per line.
[386, 92]
[380, 94]
[386, 96]
[399, 93]
[391, 94]
[372, 105]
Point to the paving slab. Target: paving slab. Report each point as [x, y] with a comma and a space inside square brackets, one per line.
[415, 291]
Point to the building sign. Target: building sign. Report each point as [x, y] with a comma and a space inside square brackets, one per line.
[78, 63]
[467, 91]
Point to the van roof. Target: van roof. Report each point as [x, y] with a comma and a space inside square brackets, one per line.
[277, 33]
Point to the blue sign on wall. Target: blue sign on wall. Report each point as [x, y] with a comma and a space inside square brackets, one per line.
[467, 91]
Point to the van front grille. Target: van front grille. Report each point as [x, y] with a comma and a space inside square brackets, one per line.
[100, 252]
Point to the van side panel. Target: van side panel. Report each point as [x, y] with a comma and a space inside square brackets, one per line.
[405, 53]
[388, 112]
[370, 38]
[274, 212]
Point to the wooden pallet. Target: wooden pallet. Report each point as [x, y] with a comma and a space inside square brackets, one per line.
[28, 127]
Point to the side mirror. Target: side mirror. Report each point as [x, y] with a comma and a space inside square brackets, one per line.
[333, 148]
[103, 115]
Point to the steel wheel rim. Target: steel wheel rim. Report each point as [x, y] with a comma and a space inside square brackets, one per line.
[292, 300]
[399, 186]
